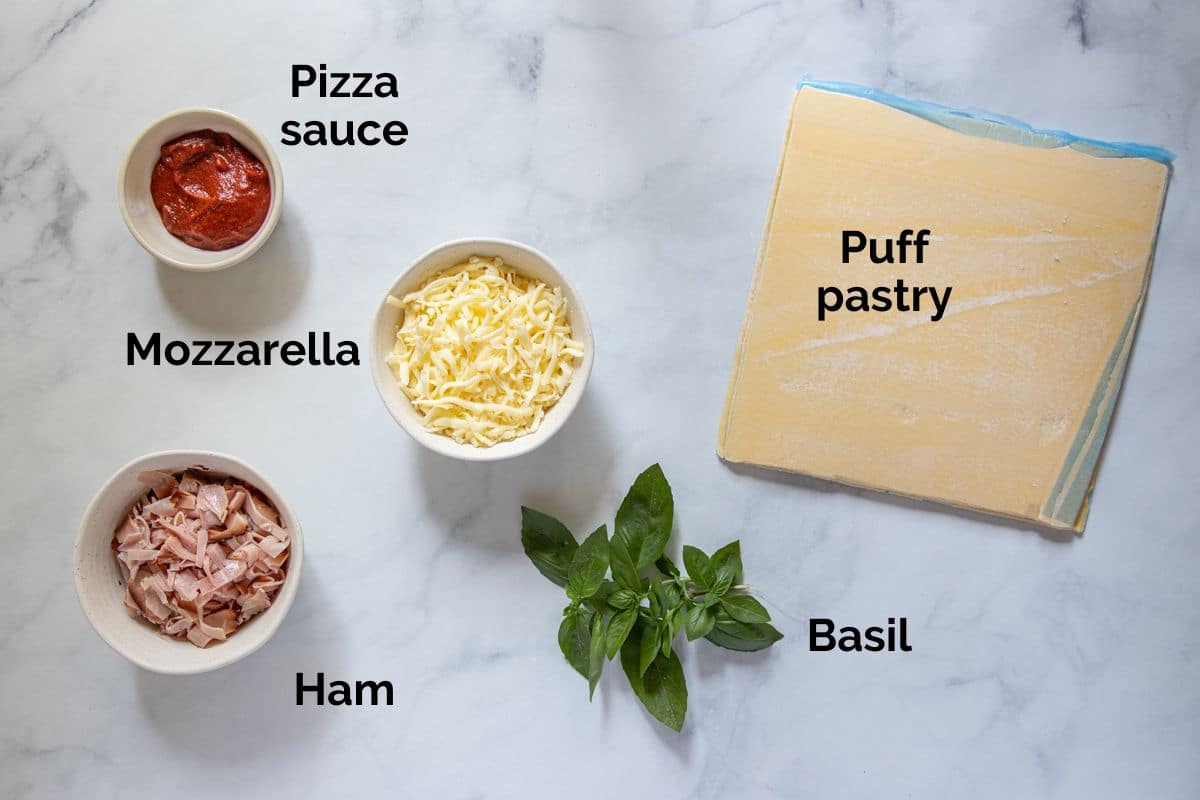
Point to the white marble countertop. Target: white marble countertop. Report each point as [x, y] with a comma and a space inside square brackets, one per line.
[635, 142]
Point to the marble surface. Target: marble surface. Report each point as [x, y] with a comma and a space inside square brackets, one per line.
[636, 143]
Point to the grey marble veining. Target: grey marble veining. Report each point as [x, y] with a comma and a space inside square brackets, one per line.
[636, 143]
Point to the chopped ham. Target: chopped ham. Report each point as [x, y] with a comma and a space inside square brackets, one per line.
[237, 542]
[161, 483]
[200, 557]
[187, 585]
[216, 556]
[181, 530]
[225, 619]
[210, 630]
[209, 519]
[201, 544]
[272, 546]
[135, 558]
[131, 533]
[137, 555]
[248, 553]
[258, 516]
[197, 636]
[228, 572]
[158, 537]
[155, 586]
[174, 550]
[254, 603]
[235, 525]
[266, 583]
[212, 499]
[164, 508]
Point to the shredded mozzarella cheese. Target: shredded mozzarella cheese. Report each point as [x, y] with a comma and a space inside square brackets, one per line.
[482, 352]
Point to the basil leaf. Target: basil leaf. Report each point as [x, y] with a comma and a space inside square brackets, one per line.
[599, 599]
[745, 608]
[699, 622]
[589, 565]
[647, 646]
[645, 516]
[727, 564]
[595, 664]
[548, 543]
[661, 687]
[699, 568]
[672, 595]
[665, 634]
[618, 630]
[656, 606]
[624, 571]
[666, 566]
[675, 624]
[623, 598]
[668, 596]
[744, 636]
[574, 639]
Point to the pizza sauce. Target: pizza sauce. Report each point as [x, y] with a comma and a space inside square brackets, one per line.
[210, 191]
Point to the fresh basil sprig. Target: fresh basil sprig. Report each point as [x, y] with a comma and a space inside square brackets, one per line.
[636, 615]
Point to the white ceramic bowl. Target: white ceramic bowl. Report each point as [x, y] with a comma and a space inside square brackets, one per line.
[100, 588]
[523, 259]
[137, 207]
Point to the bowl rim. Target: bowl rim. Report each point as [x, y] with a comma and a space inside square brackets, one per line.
[255, 242]
[522, 445]
[283, 598]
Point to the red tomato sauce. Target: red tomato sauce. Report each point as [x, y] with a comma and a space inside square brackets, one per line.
[210, 191]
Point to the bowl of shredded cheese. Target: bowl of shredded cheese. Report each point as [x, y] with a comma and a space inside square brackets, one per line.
[481, 349]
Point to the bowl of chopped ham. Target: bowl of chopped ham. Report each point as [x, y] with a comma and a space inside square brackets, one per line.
[187, 561]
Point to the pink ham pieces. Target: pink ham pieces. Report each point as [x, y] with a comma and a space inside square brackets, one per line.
[200, 555]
